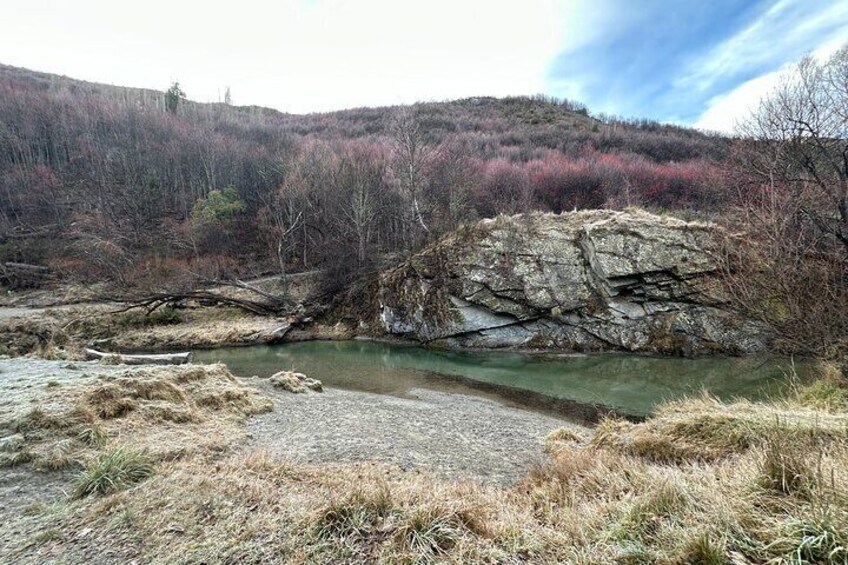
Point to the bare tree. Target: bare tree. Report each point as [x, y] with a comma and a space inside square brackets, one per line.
[792, 274]
[799, 138]
[361, 180]
[412, 155]
[284, 211]
[450, 187]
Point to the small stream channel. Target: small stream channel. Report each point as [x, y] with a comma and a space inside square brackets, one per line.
[577, 386]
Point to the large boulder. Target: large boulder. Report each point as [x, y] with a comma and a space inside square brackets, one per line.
[587, 281]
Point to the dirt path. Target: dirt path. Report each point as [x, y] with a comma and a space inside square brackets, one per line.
[7, 312]
[454, 435]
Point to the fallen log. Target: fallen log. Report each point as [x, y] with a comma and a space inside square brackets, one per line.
[26, 267]
[24, 275]
[153, 301]
[140, 359]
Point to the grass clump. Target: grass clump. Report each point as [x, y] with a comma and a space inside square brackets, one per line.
[180, 396]
[39, 424]
[59, 455]
[818, 539]
[47, 536]
[824, 395]
[663, 503]
[22, 457]
[707, 430]
[113, 471]
[11, 443]
[789, 467]
[92, 435]
[110, 401]
[428, 532]
[561, 438]
[354, 515]
[703, 549]
[393, 526]
[827, 392]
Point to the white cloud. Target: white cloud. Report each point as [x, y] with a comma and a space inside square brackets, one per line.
[293, 55]
[780, 33]
[725, 111]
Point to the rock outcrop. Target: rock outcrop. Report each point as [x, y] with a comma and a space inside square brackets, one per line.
[584, 281]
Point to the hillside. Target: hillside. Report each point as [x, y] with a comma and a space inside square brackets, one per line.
[105, 182]
[526, 119]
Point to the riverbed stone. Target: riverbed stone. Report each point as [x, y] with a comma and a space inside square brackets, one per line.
[596, 280]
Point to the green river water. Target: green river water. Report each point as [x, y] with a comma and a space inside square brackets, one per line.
[569, 384]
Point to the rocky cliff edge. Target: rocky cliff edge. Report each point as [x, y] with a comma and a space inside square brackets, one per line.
[582, 281]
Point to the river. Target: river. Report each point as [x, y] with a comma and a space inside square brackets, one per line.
[580, 384]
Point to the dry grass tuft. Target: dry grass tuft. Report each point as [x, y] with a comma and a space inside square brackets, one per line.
[561, 438]
[704, 429]
[354, 515]
[704, 550]
[109, 401]
[427, 533]
[113, 471]
[16, 458]
[170, 412]
[787, 467]
[181, 396]
[828, 392]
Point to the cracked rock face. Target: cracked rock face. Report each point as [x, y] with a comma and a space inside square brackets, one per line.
[585, 281]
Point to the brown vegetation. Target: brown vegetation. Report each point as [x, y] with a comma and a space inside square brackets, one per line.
[103, 183]
[64, 333]
[160, 411]
[790, 269]
[752, 483]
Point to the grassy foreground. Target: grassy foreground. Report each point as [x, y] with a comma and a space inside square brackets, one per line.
[700, 482]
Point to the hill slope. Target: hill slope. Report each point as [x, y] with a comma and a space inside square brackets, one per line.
[102, 181]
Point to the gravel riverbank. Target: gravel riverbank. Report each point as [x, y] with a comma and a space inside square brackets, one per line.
[454, 435]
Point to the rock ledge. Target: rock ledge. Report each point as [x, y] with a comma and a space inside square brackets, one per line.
[587, 281]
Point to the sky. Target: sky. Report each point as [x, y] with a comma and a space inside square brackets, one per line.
[703, 63]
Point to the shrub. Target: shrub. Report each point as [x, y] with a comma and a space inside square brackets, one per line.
[113, 471]
[354, 514]
[787, 274]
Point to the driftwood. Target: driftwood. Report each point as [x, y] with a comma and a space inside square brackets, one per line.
[26, 268]
[22, 275]
[139, 359]
[46, 232]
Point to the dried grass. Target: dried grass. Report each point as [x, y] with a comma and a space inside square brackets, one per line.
[700, 482]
